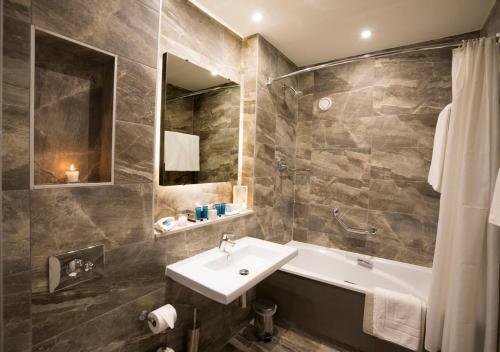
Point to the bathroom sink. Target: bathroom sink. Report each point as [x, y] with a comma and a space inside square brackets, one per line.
[224, 277]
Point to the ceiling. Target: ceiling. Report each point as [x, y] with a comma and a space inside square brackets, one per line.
[184, 74]
[313, 31]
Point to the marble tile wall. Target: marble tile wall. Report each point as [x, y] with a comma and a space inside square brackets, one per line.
[249, 68]
[15, 179]
[275, 134]
[40, 223]
[118, 216]
[213, 47]
[370, 153]
[106, 24]
[16, 80]
[1, 193]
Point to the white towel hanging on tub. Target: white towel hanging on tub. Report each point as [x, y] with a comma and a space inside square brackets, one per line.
[394, 317]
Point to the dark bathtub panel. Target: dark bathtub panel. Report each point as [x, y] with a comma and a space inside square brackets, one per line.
[326, 311]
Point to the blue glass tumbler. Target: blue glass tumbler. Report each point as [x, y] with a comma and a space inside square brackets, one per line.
[218, 207]
[198, 213]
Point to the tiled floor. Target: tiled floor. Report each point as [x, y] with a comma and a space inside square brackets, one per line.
[284, 341]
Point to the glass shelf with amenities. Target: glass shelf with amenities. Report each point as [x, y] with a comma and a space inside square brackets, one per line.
[195, 225]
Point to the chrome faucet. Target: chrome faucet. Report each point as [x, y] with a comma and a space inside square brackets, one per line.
[224, 241]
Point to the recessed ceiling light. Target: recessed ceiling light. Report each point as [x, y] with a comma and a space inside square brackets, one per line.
[213, 73]
[257, 17]
[366, 34]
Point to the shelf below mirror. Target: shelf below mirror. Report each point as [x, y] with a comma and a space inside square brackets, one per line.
[194, 225]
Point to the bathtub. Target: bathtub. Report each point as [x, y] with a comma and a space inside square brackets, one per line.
[322, 291]
[340, 268]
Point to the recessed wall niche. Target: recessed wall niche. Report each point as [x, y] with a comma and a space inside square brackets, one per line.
[72, 112]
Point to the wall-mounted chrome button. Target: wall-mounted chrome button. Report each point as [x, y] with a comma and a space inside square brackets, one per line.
[88, 266]
[72, 268]
[76, 266]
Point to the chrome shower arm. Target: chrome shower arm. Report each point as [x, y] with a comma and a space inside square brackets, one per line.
[368, 231]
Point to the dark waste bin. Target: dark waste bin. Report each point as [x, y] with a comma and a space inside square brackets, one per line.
[264, 326]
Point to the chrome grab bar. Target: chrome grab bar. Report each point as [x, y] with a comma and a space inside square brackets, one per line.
[368, 231]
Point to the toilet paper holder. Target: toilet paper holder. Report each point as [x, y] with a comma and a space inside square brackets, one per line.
[144, 316]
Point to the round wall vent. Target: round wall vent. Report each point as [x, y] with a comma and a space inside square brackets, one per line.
[325, 104]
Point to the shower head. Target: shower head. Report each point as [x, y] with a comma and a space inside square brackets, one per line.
[295, 92]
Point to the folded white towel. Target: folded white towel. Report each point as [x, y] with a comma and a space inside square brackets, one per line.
[439, 149]
[394, 317]
[495, 204]
[181, 152]
[368, 313]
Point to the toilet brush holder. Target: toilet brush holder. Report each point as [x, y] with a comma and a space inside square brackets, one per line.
[193, 338]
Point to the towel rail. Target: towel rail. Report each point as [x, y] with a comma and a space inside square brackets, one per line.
[368, 231]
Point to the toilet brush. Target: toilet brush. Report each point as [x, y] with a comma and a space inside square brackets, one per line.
[193, 335]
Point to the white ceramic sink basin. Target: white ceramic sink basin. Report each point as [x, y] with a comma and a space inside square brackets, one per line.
[218, 277]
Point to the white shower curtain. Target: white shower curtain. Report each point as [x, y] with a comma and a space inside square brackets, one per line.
[462, 313]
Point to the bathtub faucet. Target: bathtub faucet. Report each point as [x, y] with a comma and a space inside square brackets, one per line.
[365, 263]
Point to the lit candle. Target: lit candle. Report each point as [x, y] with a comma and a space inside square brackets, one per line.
[72, 174]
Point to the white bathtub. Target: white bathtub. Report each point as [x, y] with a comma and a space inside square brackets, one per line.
[340, 268]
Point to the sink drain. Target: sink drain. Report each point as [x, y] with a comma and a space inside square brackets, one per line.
[244, 272]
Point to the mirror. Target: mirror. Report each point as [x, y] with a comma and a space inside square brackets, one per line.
[200, 113]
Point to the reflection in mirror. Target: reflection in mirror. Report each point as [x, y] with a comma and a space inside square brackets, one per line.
[200, 121]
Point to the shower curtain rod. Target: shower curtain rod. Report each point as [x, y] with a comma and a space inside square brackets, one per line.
[377, 54]
[203, 91]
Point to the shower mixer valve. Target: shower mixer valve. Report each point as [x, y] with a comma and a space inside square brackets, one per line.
[282, 166]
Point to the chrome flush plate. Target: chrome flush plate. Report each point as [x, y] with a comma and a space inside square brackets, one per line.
[73, 268]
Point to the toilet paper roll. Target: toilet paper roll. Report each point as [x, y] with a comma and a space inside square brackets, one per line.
[162, 318]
